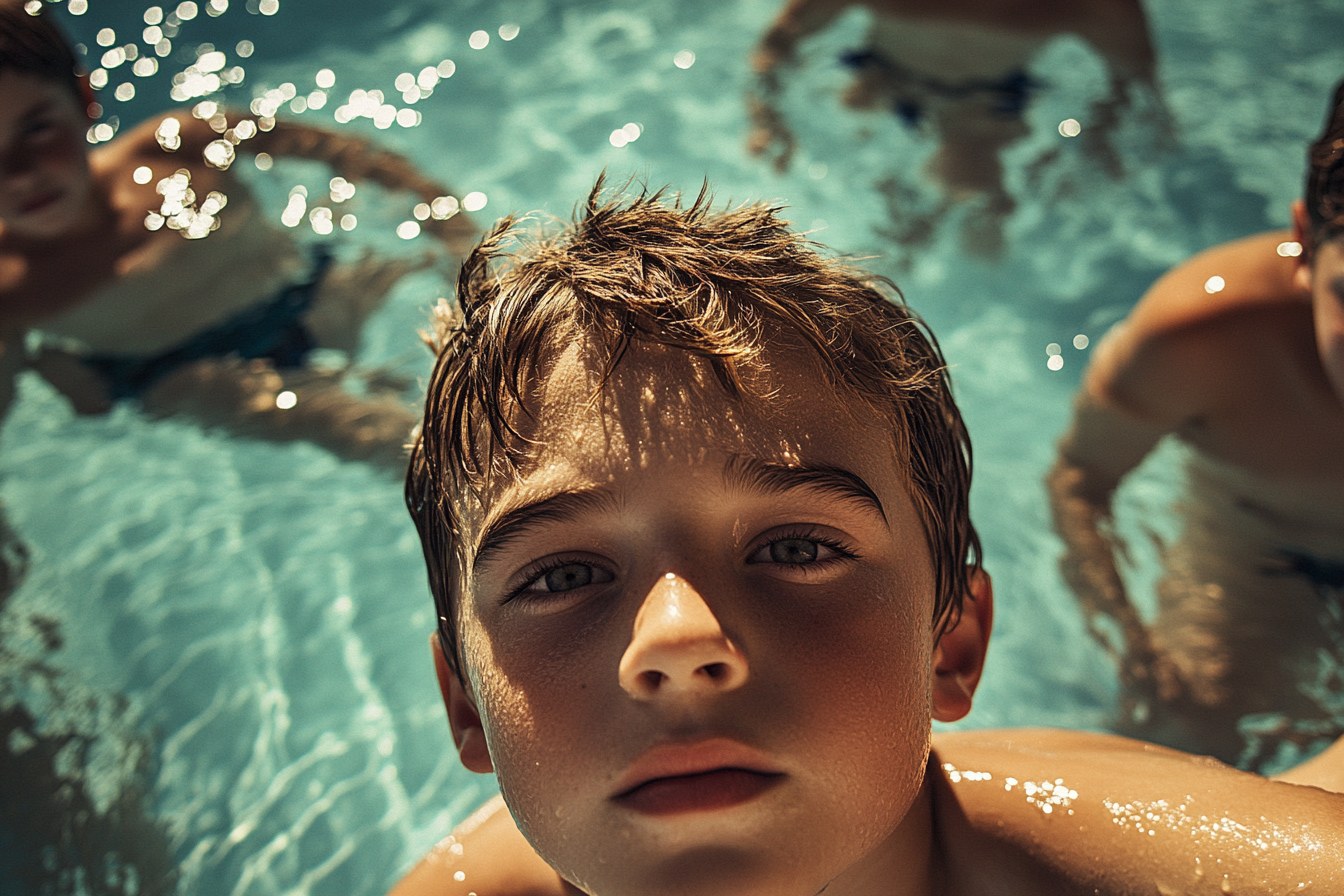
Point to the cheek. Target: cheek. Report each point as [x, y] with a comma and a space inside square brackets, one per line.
[539, 723]
[1330, 341]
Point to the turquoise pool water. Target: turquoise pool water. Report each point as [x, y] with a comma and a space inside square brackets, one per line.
[225, 641]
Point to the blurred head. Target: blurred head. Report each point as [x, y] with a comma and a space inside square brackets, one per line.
[44, 175]
[1320, 222]
[33, 45]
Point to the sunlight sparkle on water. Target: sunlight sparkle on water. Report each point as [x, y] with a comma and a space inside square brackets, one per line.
[474, 201]
[443, 208]
[142, 175]
[508, 31]
[1289, 249]
[286, 400]
[1070, 127]
[169, 134]
[1081, 341]
[341, 189]
[1214, 284]
[408, 230]
[479, 40]
[320, 218]
[684, 59]
[628, 133]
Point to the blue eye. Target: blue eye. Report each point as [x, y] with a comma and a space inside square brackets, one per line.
[567, 576]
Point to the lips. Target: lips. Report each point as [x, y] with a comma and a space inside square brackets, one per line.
[40, 201]
[696, 777]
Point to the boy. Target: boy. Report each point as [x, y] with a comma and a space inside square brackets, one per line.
[1239, 353]
[693, 502]
[111, 254]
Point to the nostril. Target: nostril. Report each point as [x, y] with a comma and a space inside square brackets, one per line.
[715, 671]
[651, 679]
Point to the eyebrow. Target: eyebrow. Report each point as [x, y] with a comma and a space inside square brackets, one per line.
[746, 473]
[771, 479]
[517, 523]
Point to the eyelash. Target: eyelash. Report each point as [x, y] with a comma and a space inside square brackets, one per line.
[540, 569]
[843, 550]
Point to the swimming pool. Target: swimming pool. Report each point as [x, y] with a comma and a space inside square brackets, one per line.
[224, 641]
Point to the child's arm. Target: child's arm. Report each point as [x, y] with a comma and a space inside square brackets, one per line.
[776, 50]
[350, 157]
[1096, 813]
[1101, 446]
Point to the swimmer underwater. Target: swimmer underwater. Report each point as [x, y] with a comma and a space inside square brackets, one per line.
[211, 323]
[693, 502]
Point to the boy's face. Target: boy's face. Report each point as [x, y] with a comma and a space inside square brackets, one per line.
[698, 633]
[1327, 299]
[44, 170]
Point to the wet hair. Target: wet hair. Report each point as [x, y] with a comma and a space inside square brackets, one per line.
[1325, 175]
[726, 287]
[33, 45]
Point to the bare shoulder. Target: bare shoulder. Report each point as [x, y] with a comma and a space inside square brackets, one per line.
[1244, 274]
[485, 854]
[1090, 812]
[1174, 353]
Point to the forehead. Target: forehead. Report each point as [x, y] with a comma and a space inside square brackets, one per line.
[664, 410]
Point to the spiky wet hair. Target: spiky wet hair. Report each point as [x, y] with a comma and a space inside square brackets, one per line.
[1325, 175]
[727, 287]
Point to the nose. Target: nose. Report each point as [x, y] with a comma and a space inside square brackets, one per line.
[678, 649]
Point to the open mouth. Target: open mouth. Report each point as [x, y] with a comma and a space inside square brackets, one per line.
[706, 791]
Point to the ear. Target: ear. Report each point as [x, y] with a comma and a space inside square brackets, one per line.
[1302, 234]
[463, 717]
[959, 656]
